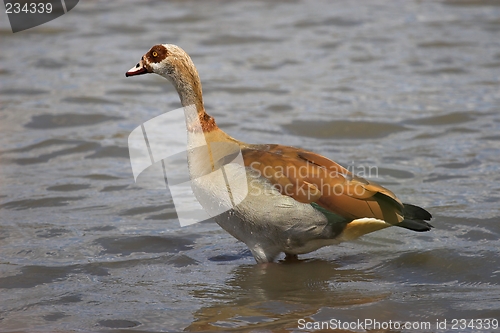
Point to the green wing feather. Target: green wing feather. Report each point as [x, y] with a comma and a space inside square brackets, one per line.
[331, 216]
[336, 223]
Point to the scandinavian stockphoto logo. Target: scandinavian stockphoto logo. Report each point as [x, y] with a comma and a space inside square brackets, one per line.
[26, 14]
[213, 183]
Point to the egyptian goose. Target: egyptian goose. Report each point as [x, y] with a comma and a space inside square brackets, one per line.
[284, 211]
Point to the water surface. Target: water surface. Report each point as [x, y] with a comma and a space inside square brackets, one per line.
[412, 88]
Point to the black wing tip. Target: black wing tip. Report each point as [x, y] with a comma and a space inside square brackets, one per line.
[415, 218]
[412, 212]
[415, 225]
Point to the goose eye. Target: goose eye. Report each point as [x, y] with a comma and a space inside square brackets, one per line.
[155, 54]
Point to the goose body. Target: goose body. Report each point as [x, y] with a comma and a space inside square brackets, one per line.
[297, 201]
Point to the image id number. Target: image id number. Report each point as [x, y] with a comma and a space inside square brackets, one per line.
[478, 324]
[28, 8]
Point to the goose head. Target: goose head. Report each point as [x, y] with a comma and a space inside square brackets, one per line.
[174, 64]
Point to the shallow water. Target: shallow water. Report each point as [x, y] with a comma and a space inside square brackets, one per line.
[411, 88]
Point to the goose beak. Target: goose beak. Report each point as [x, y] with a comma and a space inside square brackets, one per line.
[139, 69]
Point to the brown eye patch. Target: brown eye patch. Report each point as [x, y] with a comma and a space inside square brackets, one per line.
[157, 53]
